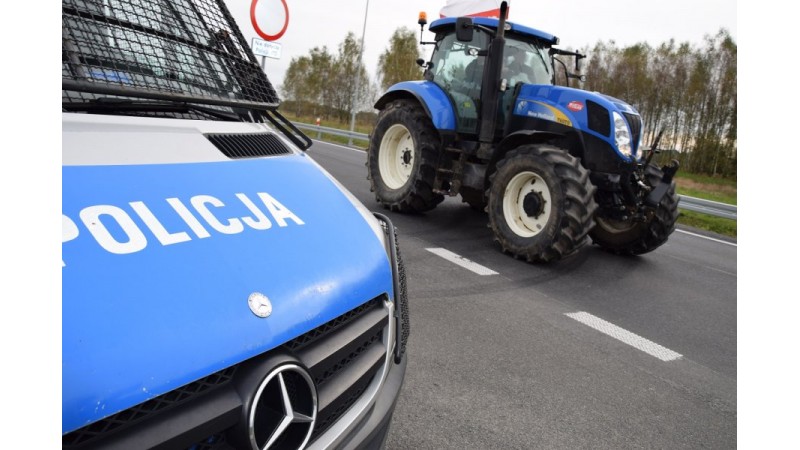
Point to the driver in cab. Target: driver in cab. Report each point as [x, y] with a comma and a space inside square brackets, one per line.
[516, 70]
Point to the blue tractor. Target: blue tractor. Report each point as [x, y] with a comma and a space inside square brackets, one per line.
[551, 165]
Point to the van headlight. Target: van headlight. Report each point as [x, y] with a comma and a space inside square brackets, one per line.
[622, 135]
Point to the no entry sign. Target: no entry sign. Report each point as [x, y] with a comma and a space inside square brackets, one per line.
[270, 18]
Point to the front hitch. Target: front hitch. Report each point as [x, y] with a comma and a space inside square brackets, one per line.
[657, 194]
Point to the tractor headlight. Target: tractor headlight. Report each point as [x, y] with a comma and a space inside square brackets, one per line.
[622, 135]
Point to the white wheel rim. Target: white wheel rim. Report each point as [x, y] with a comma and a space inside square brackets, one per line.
[396, 156]
[523, 184]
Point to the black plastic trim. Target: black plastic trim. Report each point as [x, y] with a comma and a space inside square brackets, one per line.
[399, 302]
[599, 118]
[249, 145]
[293, 133]
[205, 416]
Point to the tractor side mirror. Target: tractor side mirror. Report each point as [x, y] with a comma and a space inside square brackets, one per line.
[579, 63]
[464, 29]
[425, 65]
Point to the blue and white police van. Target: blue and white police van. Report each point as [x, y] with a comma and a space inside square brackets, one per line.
[219, 289]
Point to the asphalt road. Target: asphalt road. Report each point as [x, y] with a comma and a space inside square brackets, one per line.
[495, 361]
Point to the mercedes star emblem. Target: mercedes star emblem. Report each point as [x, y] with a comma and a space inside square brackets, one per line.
[259, 304]
[284, 409]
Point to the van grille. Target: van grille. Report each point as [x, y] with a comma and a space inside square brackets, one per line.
[343, 356]
[144, 410]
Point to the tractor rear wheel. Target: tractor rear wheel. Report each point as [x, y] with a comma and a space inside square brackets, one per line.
[629, 237]
[402, 156]
[541, 203]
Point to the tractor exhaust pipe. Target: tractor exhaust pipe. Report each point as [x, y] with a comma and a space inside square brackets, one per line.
[490, 87]
[501, 27]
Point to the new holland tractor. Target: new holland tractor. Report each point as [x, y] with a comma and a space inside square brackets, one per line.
[551, 165]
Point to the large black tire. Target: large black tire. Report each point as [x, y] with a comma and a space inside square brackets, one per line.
[402, 157]
[541, 203]
[635, 238]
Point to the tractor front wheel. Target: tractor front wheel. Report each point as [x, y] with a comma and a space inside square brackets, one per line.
[541, 203]
[629, 237]
[402, 155]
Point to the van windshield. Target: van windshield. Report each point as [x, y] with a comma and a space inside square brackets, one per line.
[145, 52]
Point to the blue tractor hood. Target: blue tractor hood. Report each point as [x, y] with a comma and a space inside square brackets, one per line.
[159, 261]
[571, 107]
[561, 95]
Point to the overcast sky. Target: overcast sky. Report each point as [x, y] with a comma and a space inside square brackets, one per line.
[578, 23]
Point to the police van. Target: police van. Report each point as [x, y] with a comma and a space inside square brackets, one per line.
[219, 288]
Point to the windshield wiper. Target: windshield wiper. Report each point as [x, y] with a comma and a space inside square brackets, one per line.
[106, 105]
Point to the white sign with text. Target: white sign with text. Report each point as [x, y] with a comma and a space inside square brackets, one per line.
[266, 48]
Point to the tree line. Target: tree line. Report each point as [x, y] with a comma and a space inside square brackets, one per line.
[685, 92]
[322, 83]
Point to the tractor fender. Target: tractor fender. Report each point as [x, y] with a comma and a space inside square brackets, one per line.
[433, 99]
[516, 139]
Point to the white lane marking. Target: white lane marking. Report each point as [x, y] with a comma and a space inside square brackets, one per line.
[706, 237]
[461, 261]
[338, 145]
[634, 340]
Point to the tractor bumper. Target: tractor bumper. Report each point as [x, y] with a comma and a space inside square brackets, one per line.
[657, 194]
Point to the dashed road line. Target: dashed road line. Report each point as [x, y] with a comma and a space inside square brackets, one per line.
[461, 261]
[621, 334]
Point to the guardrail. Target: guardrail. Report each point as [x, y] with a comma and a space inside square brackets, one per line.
[318, 130]
[684, 202]
[707, 207]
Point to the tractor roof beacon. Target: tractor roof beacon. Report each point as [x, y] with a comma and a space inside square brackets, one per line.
[551, 165]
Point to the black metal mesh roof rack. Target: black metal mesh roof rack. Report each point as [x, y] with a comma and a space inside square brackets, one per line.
[182, 51]
[174, 50]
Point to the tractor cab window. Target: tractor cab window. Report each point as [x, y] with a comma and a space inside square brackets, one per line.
[527, 63]
[458, 70]
[523, 63]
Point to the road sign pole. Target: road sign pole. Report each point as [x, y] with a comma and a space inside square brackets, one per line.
[355, 91]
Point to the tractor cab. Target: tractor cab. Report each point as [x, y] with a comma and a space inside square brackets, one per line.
[459, 64]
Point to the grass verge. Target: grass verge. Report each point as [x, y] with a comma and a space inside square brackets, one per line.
[719, 225]
[707, 188]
